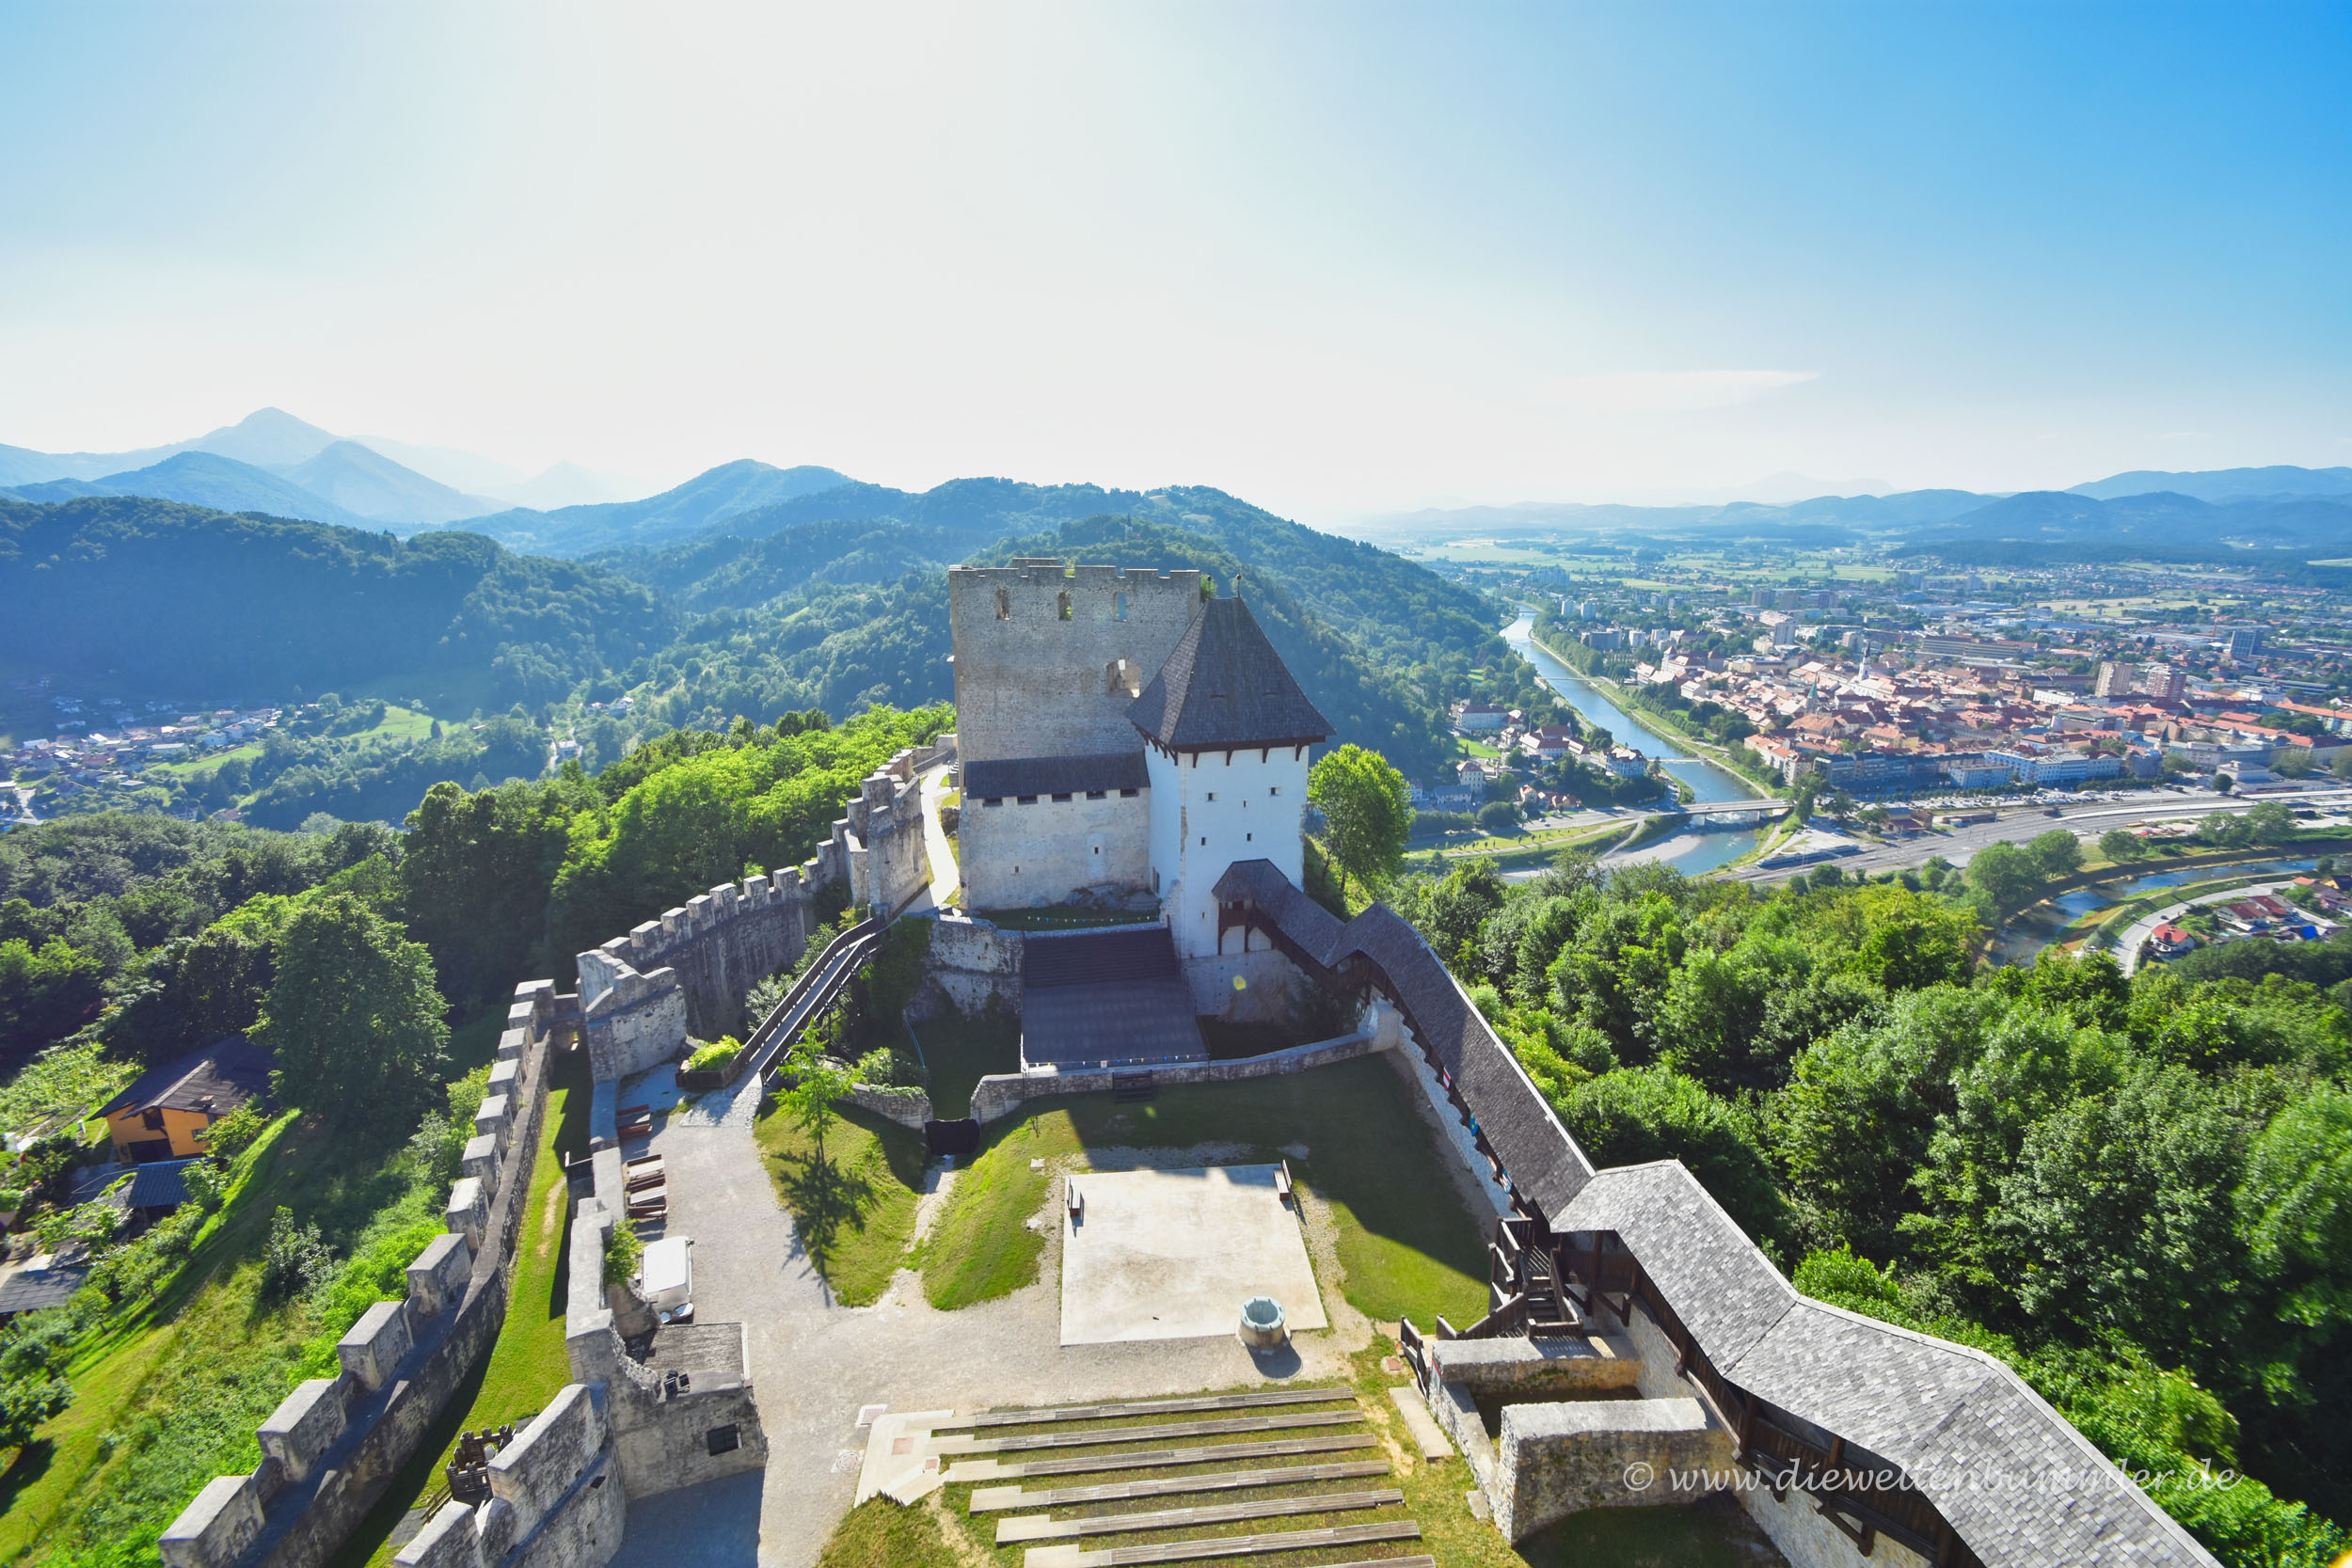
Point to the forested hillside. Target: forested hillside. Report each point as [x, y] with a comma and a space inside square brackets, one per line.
[832, 615]
[156, 596]
[2136, 1192]
[378, 965]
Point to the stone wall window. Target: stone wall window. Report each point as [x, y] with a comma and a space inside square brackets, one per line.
[1062, 604]
[1119, 606]
[1004, 605]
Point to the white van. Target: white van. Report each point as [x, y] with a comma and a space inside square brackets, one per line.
[668, 1277]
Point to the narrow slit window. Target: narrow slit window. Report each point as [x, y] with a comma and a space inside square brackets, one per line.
[1004, 605]
[1063, 604]
[1119, 606]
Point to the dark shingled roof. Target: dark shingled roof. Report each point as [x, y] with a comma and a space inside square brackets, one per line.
[2019, 1483]
[1982, 1446]
[1224, 685]
[28, 1292]
[1008, 778]
[218, 1078]
[1545, 1164]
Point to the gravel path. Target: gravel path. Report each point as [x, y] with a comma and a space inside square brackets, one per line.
[814, 1363]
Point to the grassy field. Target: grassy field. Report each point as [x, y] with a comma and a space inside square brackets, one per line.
[250, 751]
[169, 1397]
[62, 1467]
[960, 1052]
[943, 1532]
[528, 1364]
[855, 1209]
[1407, 1246]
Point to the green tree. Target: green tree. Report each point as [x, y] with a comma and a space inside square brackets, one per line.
[1633, 1115]
[474, 881]
[2056, 853]
[353, 1017]
[2006, 874]
[817, 1084]
[2294, 1210]
[46, 992]
[1367, 814]
[2120, 845]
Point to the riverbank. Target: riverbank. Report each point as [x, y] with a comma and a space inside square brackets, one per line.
[2080, 927]
[1702, 748]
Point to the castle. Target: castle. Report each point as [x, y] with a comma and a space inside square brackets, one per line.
[1126, 739]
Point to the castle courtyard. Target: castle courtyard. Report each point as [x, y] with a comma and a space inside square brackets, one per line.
[1350, 1134]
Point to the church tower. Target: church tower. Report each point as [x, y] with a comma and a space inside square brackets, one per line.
[1226, 736]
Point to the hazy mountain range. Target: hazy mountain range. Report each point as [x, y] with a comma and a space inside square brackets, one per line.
[270, 460]
[273, 463]
[2197, 515]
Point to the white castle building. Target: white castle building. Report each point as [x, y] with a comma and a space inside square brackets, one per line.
[1125, 742]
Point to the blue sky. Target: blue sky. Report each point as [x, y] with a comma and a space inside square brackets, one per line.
[1337, 258]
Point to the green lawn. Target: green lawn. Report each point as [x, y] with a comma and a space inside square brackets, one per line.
[1407, 1246]
[250, 751]
[961, 1051]
[528, 1364]
[855, 1209]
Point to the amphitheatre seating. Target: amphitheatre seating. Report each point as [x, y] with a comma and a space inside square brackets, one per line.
[1292, 1475]
[1106, 998]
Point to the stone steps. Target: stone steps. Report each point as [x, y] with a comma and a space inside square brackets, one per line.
[991, 1469]
[989, 1499]
[1012, 1415]
[1142, 1433]
[1045, 1527]
[1238, 1546]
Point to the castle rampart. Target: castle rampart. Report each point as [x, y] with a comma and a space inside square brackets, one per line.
[687, 972]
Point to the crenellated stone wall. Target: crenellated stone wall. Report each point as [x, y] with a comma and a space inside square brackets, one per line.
[334, 1445]
[553, 1503]
[688, 971]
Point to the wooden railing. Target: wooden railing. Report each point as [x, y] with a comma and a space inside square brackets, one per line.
[819, 986]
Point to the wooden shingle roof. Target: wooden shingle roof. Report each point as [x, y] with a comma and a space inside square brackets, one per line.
[1223, 685]
[2015, 1480]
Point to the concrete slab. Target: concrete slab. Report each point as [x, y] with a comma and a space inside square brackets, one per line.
[1172, 1255]
[897, 1446]
[1419, 1424]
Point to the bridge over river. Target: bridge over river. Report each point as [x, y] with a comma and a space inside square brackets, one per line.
[1730, 812]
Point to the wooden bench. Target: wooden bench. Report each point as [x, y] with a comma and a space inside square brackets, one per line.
[1071, 1198]
[1282, 1183]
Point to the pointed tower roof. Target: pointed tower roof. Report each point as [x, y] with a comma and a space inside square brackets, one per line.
[1224, 686]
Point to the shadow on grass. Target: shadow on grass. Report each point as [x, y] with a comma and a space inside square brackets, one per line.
[31, 1462]
[826, 1200]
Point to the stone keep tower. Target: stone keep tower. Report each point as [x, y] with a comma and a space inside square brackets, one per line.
[1226, 730]
[1048, 658]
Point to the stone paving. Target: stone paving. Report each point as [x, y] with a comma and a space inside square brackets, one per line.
[814, 1363]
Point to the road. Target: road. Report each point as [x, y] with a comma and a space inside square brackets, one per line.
[2135, 935]
[2016, 825]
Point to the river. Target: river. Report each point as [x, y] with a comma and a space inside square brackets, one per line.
[2023, 938]
[1688, 852]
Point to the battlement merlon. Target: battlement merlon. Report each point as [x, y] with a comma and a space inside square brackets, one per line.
[1052, 572]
